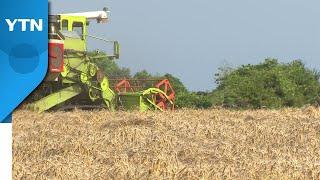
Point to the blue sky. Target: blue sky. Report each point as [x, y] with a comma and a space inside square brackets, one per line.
[192, 39]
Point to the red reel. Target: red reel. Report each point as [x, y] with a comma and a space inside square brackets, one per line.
[162, 101]
[123, 86]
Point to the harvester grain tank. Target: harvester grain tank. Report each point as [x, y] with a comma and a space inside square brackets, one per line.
[74, 76]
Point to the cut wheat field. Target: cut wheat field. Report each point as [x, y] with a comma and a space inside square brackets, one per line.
[186, 144]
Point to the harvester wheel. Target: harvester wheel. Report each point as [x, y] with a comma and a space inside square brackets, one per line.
[93, 94]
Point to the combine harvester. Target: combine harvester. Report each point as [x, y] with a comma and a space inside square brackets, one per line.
[74, 77]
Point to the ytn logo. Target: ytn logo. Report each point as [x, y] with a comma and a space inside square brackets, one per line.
[31, 24]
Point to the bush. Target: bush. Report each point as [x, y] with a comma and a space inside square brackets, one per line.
[268, 84]
[186, 99]
[193, 100]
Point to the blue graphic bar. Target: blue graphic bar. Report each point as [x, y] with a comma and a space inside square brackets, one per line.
[8, 119]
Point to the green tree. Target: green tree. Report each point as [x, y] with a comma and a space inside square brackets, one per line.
[144, 74]
[186, 99]
[144, 79]
[110, 67]
[178, 86]
[193, 100]
[268, 84]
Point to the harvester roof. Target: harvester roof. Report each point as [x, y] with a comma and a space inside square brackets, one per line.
[100, 16]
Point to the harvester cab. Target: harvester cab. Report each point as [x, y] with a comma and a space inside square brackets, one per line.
[68, 37]
[74, 76]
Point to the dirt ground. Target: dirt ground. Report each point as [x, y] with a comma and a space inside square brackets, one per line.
[186, 144]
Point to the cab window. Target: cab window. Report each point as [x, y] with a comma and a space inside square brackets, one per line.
[64, 26]
[77, 27]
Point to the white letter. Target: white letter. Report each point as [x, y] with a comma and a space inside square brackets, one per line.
[11, 24]
[23, 24]
[34, 24]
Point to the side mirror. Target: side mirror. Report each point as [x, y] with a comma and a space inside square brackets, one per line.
[116, 50]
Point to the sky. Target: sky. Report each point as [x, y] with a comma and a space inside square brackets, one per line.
[192, 39]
